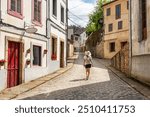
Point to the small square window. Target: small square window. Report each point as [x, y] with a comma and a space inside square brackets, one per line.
[108, 12]
[110, 27]
[112, 47]
[120, 25]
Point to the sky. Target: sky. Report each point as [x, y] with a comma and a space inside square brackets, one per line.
[79, 11]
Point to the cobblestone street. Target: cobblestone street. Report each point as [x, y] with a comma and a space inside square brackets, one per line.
[102, 84]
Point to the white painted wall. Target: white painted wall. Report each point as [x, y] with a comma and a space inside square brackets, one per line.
[70, 32]
[3, 79]
[57, 19]
[83, 38]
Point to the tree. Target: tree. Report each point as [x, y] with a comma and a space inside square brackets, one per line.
[94, 17]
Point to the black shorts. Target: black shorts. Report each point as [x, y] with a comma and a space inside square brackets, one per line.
[88, 66]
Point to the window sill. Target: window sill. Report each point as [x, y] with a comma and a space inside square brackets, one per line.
[36, 66]
[62, 23]
[112, 51]
[55, 17]
[15, 14]
[54, 59]
[36, 23]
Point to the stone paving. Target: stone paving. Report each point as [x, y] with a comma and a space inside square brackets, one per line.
[102, 85]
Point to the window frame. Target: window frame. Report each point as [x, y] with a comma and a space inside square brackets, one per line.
[61, 6]
[15, 13]
[108, 11]
[40, 54]
[144, 20]
[120, 25]
[110, 27]
[37, 23]
[118, 16]
[110, 47]
[127, 5]
[54, 15]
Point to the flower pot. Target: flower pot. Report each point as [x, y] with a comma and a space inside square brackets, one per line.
[28, 51]
[2, 63]
[45, 51]
[28, 62]
[54, 57]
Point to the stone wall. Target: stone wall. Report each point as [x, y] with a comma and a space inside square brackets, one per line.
[121, 60]
[100, 50]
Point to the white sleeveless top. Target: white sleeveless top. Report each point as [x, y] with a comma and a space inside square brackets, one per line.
[88, 60]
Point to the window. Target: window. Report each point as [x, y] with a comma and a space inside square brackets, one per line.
[71, 37]
[123, 44]
[118, 11]
[54, 49]
[144, 20]
[37, 12]
[15, 8]
[127, 4]
[36, 55]
[110, 27]
[55, 8]
[120, 25]
[108, 11]
[62, 14]
[112, 47]
[76, 38]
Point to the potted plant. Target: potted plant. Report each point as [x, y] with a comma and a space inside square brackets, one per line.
[2, 62]
[28, 61]
[29, 50]
[53, 57]
[45, 51]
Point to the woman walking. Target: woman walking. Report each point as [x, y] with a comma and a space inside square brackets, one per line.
[87, 63]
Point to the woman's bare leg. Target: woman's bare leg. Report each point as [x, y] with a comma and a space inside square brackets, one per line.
[88, 73]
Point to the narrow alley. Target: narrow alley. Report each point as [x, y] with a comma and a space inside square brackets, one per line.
[103, 84]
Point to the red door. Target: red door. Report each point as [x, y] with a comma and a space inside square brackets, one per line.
[13, 64]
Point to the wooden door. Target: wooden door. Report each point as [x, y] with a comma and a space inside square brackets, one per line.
[62, 54]
[13, 64]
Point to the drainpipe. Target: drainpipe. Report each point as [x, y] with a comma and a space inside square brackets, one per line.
[130, 39]
[66, 30]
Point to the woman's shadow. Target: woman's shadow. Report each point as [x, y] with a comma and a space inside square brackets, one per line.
[76, 80]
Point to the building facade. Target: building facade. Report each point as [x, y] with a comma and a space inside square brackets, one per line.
[26, 56]
[116, 26]
[70, 47]
[140, 40]
[83, 38]
[56, 29]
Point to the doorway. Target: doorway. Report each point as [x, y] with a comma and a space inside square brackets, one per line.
[14, 60]
[61, 54]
